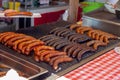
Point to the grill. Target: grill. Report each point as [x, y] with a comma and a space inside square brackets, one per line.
[42, 30]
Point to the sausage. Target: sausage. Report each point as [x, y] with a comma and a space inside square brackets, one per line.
[65, 33]
[77, 37]
[39, 48]
[7, 38]
[106, 39]
[51, 40]
[61, 60]
[62, 31]
[65, 49]
[82, 39]
[30, 46]
[56, 57]
[78, 30]
[85, 29]
[3, 73]
[38, 53]
[10, 42]
[62, 45]
[92, 42]
[96, 45]
[15, 43]
[71, 50]
[18, 13]
[46, 39]
[42, 55]
[84, 50]
[75, 52]
[52, 31]
[47, 36]
[93, 35]
[36, 58]
[74, 26]
[68, 35]
[90, 33]
[57, 30]
[97, 36]
[3, 36]
[22, 44]
[101, 38]
[49, 56]
[73, 36]
[58, 43]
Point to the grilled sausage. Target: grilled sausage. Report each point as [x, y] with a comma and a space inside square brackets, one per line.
[7, 38]
[44, 37]
[42, 55]
[71, 50]
[66, 48]
[58, 43]
[39, 48]
[84, 50]
[3, 36]
[92, 42]
[59, 46]
[61, 60]
[54, 58]
[65, 33]
[36, 58]
[55, 29]
[76, 51]
[49, 56]
[62, 31]
[73, 36]
[68, 35]
[10, 42]
[51, 40]
[96, 45]
[18, 13]
[22, 44]
[90, 33]
[31, 46]
[74, 26]
[38, 53]
[85, 29]
[78, 30]
[15, 43]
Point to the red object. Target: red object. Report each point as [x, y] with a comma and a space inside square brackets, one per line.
[105, 67]
[53, 16]
[48, 17]
[1, 3]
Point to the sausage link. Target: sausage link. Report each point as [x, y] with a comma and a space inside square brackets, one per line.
[61, 60]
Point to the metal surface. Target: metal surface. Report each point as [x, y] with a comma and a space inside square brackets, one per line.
[103, 15]
[30, 70]
[64, 67]
[103, 20]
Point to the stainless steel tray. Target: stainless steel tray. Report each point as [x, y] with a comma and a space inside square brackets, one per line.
[28, 69]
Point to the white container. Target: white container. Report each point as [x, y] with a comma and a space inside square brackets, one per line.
[44, 1]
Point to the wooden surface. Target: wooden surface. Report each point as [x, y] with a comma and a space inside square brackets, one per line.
[73, 10]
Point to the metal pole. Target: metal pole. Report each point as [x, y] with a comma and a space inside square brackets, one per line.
[25, 10]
